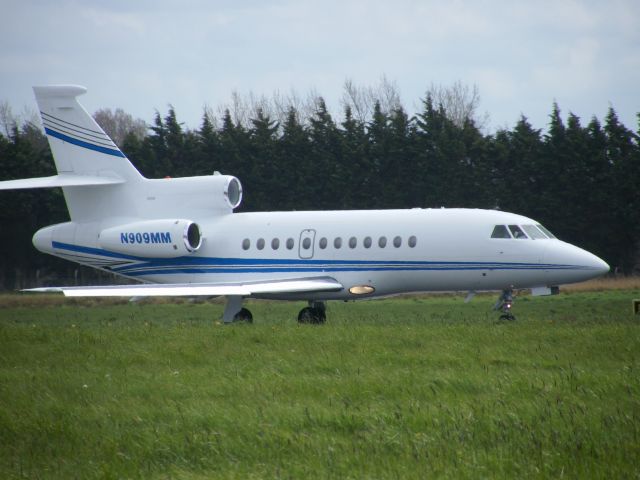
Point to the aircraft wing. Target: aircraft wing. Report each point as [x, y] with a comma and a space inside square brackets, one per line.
[62, 180]
[296, 285]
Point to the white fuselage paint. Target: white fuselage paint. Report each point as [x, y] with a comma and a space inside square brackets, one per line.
[453, 251]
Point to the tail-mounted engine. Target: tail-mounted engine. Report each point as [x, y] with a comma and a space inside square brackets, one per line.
[191, 196]
[153, 238]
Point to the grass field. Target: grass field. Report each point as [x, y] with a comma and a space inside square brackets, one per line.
[399, 388]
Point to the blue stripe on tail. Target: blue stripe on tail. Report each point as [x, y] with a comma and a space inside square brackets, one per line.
[87, 145]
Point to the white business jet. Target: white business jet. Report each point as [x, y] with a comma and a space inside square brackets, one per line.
[180, 237]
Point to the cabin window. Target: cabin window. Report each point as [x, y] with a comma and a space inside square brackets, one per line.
[246, 244]
[323, 243]
[545, 231]
[260, 243]
[306, 243]
[275, 243]
[500, 231]
[289, 243]
[413, 241]
[353, 242]
[382, 242]
[534, 232]
[397, 241]
[337, 242]
[517, 232]
[367, 242]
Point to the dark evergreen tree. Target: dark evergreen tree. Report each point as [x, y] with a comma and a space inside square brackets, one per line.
[621, 151]
[323, 188]
[552, 174]
[516, 170]
[380, 163]
[154, 158]
[263, 161]
[575, 179]
[357, 168]
[177, 155]
[294, 164]
[209, 150]
[474, 167]
[598, 192]
[433, 177]
[444, 158]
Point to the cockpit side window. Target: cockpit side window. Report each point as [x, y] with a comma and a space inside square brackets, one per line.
[500, 231]
[517, 232]
[545, 231]
[534, 232]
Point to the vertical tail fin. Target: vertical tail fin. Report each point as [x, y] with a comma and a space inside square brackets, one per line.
[97, 179]
[78, 144]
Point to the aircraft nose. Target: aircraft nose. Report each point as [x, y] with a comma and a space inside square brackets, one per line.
[569, 264]
[588, 262]
[600, 265]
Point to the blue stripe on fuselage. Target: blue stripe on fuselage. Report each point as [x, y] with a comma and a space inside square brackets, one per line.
[141, 266]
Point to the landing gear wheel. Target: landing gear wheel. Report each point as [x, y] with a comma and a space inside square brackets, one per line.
[244, 315]
[320, 316]
[504, 304]
[315, 316]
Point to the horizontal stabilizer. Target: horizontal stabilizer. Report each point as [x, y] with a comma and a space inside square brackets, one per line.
[322, 284]
[62, 180]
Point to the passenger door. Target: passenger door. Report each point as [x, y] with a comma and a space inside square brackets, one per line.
[307, 243]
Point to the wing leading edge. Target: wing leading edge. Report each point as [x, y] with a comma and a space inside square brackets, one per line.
[62, 180]
[295, 285]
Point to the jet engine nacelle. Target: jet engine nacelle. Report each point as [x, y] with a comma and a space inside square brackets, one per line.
[192, 196]
[153, 238]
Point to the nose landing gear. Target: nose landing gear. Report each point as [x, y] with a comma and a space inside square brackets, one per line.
[504, 304]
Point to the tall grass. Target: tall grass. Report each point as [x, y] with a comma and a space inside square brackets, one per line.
[386, 389]
[605, 283]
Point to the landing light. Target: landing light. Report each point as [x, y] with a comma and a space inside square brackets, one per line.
[361, 289]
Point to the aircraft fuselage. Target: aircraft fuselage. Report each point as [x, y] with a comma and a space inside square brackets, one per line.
[387, 251]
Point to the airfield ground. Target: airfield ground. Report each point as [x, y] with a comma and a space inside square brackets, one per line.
[395, 388]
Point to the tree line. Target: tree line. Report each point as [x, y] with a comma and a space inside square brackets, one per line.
[579, 180]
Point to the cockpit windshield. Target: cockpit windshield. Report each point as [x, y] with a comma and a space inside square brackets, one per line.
[517, 232]
[500, 231]
[545, 231]
[534, 232]
[521, 232]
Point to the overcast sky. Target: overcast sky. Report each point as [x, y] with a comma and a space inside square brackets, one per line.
[143, 55]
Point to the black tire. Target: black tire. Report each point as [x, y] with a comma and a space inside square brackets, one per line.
[507, 316]
[305, 315]
[320, 316]
[314, 316]
[244, 315]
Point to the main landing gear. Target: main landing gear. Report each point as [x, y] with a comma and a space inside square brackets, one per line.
[504, 304]
[315, 313]
[244, 315]
[234, 311]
